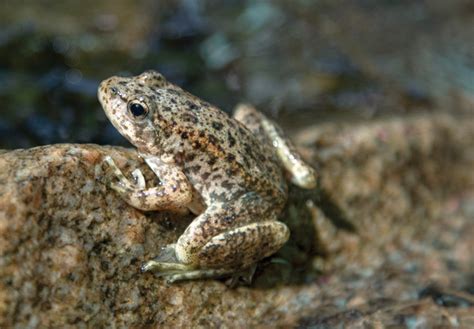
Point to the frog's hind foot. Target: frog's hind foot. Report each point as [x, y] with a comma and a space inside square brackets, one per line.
[168, 267]
[164, 267]
[173, 272]
[165, 262]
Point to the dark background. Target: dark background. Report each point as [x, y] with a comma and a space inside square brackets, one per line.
[299, 61]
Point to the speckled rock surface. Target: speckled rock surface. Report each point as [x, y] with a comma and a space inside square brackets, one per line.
[388, 240]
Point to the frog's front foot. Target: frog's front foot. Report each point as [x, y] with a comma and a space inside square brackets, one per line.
[174, 193]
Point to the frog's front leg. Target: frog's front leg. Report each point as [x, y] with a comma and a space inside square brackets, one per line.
[173, 193]
[226, 238]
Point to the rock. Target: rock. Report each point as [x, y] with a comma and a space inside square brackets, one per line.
[394, 215]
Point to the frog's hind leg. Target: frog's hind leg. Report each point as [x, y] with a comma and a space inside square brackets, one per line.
[244, 245]
[226, 238]
[269, 132]
[227, 253]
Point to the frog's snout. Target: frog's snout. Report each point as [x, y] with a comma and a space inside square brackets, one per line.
[102, 92]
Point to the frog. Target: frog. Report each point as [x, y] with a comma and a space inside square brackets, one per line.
[231, 172]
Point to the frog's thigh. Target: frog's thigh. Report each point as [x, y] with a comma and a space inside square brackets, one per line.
[245, 245]
[219, 218]
[174, 193]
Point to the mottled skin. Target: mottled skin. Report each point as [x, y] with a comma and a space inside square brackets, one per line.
[228, 171]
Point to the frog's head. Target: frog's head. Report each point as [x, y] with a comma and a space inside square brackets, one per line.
[130, 104]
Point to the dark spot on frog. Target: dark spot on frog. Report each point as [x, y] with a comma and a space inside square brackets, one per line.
[188, 117]
[196, 145]
[202, 133]
[167, 133]
[184, 135]
[230, 157]
[248, 149]
[190, 157]
[205, 175]
[212, 139]
[166, 108]
[192, 106]
[228, 219]
[217, 125]
[205, 104]
[172, 91]
[231, 139]
[194, 169]
[160, 117]
[212, 160]
[180, 158]
[230, 172]
[227, 185]
[216, 176]
[217, 196]
[122, 83]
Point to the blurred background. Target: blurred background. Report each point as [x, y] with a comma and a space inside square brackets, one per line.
[299, 61]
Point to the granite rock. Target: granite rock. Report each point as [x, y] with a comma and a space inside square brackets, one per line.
[386, 240]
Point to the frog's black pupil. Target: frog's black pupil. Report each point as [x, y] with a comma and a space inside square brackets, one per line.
[137, 109]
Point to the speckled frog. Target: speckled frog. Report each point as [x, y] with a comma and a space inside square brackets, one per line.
[228, 171]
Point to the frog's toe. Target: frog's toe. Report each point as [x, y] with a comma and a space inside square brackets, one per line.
[108, 165]
[139, 179]
[164, 267]
[198, 274]
[111, 173]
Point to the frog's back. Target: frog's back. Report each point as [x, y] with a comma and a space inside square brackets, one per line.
[220, 155]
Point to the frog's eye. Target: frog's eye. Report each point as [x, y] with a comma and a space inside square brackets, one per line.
[137, 109]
